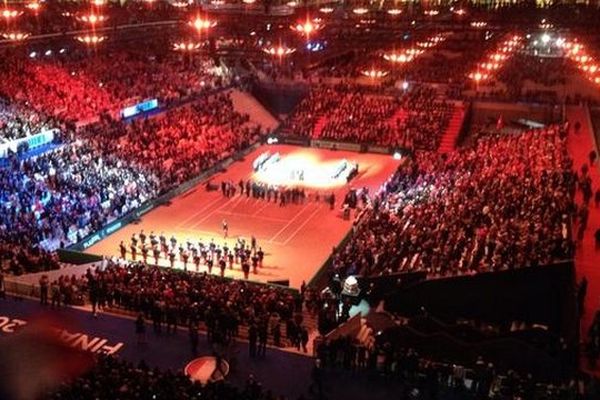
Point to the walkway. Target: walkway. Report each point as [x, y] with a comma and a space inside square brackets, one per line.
[281, 372]
[587, 257]
[450, 136]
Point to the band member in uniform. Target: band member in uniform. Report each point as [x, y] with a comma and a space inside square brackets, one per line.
[204, 254]
[225, 249]
[153, 241]
[133, 252]
[236, 251]
[261, 255]
[145, 253]
[173, 241]
[143, 237]
[222, 265]
[254, 263]
[209, 264]
[123, 250]
[184, 257]
[156, 252]
[181, 251]
[246, 269]
[197, 261]
[172, 257]
[134, 240]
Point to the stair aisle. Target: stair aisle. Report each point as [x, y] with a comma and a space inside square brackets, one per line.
[448, 142]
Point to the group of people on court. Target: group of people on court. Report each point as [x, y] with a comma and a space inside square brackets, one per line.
[279, 194]
[246, 254]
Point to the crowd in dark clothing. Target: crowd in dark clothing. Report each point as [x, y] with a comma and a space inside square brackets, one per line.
[59, 197]
[180, 144]
[59, 17]
[248, 256]
[503, 203]
[112, 378]
[415, 120]
[17, 122]
[263, 191]
[169, 298]
[77, 87]
[593, 344]
[18, 259]
[425, 378]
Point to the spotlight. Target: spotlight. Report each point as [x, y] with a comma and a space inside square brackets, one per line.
[279, 51]
[186, 46]
[397, 155]
[201, 24]
[545, 38]
[374, 73]
[15, 36]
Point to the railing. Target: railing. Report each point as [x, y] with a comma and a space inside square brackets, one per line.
[319, 279]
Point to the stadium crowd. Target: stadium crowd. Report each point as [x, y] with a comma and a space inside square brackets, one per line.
[432, 379]
[180, 144]
[80, 87]
[107, 169]
[169, 297]
[113, 378]
[415, 120]
[57, 198]
[59, 17]
[152, 72]
[468, 212]
[503, 201]
[19, 122]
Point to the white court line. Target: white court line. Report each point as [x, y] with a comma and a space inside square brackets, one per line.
[253, 216]
[262, 208]
[290, 222]
[194, 215]
[219, 236]
[210, 214]
[302, 225]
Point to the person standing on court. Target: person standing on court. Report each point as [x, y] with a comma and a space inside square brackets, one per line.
[193, 332]
[263, 335]
[225, 229]
[140, 329]
[246, 269]
[44, 290]
[252, 339]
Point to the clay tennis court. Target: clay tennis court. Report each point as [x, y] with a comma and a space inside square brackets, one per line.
[296, 238]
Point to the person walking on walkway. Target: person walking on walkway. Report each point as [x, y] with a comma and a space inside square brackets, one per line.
[193, 333]
[44, 290]
[140, 329]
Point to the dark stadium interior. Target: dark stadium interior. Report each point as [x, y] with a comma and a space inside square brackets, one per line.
[273, 199]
